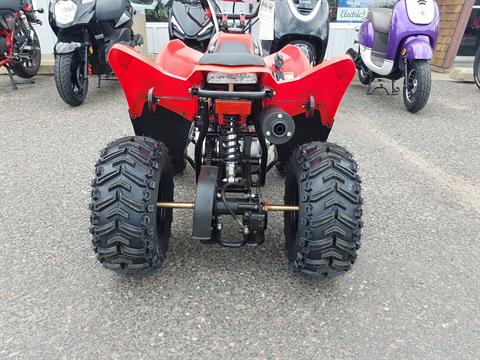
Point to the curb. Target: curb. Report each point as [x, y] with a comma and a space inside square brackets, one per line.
[46, 66]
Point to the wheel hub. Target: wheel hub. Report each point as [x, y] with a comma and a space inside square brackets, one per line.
[412, 85]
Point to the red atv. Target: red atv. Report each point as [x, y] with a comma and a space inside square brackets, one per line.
[233, 104]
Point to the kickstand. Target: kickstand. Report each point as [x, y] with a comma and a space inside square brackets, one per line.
[371, 89]
[12, 80]
[15, 83]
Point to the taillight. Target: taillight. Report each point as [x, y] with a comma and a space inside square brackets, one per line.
[226, 78]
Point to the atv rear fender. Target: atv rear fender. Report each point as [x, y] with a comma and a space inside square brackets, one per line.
[176, 71]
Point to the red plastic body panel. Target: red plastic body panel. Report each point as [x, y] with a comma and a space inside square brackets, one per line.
[176, 70]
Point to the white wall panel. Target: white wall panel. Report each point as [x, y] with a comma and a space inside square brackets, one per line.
[45, 33]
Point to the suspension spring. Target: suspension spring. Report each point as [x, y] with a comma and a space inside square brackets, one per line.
[24, 25]
[230, 145]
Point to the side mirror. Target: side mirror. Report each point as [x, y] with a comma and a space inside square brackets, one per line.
[40, 10]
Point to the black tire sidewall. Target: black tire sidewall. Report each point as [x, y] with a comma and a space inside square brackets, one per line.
[424, 84]
[64, 64]
[476, 68]
[293, 187]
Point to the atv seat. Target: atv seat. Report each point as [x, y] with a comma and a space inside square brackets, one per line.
[381, 19]
[232, 53]
[110, 10]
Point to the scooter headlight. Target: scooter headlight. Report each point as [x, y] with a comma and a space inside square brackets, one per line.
[65, 11]
[225, 78]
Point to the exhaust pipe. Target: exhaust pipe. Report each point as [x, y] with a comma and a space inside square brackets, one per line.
[278, 127]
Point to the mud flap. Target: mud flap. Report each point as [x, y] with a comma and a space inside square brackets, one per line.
[204, 203]
[165, 126]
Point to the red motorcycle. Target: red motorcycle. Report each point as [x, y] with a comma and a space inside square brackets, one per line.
[232, 104]
[19, 45]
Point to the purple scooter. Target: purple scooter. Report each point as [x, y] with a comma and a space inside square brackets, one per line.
[396, 41]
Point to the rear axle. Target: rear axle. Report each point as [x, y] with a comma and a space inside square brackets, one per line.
[190, 206]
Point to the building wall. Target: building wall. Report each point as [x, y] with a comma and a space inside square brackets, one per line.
[453, 20]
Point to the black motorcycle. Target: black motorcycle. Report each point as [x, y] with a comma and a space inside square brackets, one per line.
[86, 31]
[476, 68]
[19, 45]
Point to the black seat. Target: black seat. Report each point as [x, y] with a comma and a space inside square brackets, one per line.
[110, 10]
[12, 5]
[232, 53]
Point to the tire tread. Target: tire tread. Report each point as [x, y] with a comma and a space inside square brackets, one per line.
[329, 221]
[123, 222]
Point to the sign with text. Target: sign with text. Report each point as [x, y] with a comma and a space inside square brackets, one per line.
[352, 10]
[267, 19]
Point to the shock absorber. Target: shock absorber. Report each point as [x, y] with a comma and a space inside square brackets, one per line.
[25, 25]
[231, 146]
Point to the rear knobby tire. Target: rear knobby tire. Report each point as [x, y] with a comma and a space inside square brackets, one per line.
[418, 82]
[322, 239]
[130, 234]
[72, 86]
[476, 68]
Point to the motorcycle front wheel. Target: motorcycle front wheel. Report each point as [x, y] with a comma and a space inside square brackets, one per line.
[28, 68]
[70, 78]
[476, 68]
[418, 82]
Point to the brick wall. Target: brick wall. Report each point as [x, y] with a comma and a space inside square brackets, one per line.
[454, 16]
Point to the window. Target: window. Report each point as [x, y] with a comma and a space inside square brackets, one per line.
[471, 39]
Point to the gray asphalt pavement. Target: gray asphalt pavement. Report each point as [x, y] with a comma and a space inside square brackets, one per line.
[414, 293]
